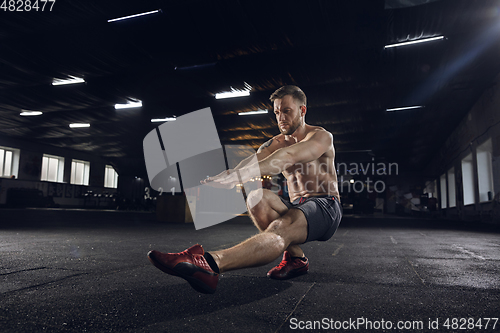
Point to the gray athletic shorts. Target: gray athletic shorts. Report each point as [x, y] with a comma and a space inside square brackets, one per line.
[322, 213]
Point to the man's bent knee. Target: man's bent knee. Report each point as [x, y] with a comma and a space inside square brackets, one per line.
[254, 198]
[289, 227]
[279, 226]
[275, 226]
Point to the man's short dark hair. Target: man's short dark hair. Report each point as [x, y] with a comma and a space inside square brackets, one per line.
[294, 91]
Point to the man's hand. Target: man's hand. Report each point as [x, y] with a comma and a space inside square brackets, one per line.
[213, 178]
[226, 179]
[231, 179]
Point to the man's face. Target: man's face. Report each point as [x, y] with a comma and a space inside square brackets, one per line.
[288, 114]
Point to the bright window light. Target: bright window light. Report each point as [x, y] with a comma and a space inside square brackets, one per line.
[485, 171]
[406, 108]
[444, 191]
[135, 15]
[5, 162]
[9, 161]
[79, 125]
[26, 113]
[423, 40]
[110, 177]
[158, 120]
[52, 168]
[468, 180]
[71, 80]
[252, 112]
[80, 171]
[136, 104]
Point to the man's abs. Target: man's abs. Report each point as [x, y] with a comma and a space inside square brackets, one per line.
[312, 179]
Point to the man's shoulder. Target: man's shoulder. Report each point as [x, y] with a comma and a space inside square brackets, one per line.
[273, 143]
[314, 130]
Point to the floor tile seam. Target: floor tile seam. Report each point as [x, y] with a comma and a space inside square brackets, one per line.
[43, 284]
[41, 268]
[295, 308]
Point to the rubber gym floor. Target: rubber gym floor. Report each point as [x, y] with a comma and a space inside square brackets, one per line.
[87, 271]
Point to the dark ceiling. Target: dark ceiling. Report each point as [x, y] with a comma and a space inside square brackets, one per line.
[177, 60]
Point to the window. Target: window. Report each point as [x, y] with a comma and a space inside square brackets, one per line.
[110, 177]
[442, 181]
[80, 171]
[9, 161]
[485, 171]
[52, 168]
[452, 196]
[5, 163]
[468, 180]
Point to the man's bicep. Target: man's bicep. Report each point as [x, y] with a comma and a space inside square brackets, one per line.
[265, 145]
[266, 149]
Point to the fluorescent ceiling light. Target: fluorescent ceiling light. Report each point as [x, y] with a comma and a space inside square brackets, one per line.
[423, 40]
[79, 125]
[129, 105]
[231, 94]
[27, 113]
[132, 16]
[158, 120]
[71, 80]
[406, 108]
[252, 112]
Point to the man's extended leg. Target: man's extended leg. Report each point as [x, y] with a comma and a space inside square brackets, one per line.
[202, 269]
[266, 208]
[263, 248]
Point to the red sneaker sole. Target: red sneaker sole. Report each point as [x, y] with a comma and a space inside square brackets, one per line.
[186, 271]
[291, 274]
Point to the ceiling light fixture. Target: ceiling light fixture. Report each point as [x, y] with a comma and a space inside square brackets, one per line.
[231, 94]
[406, 108]
[79, 125]
[252, 112]
[128, 105]
[135, 15]
[71, 80]
[235, 92]
[423, 40]
[27, 113]
[159, 120]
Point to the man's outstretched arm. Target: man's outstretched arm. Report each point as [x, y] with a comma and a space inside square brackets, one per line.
[302, 152]
[264, 151]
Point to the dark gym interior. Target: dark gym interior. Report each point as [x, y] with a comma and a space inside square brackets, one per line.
[409, 89]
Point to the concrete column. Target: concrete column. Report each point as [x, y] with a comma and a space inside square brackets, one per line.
[475, 175]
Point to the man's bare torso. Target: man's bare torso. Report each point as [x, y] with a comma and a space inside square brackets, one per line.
[314, 178]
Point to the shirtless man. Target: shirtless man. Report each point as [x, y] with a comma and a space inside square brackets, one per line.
[305, 155]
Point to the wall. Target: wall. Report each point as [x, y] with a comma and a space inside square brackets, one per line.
[480, 124]
[64, 194]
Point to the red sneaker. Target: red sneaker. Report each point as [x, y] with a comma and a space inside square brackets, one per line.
[189, 265]
[289, 268]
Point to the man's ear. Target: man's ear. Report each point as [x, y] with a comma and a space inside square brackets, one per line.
[303, 110]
